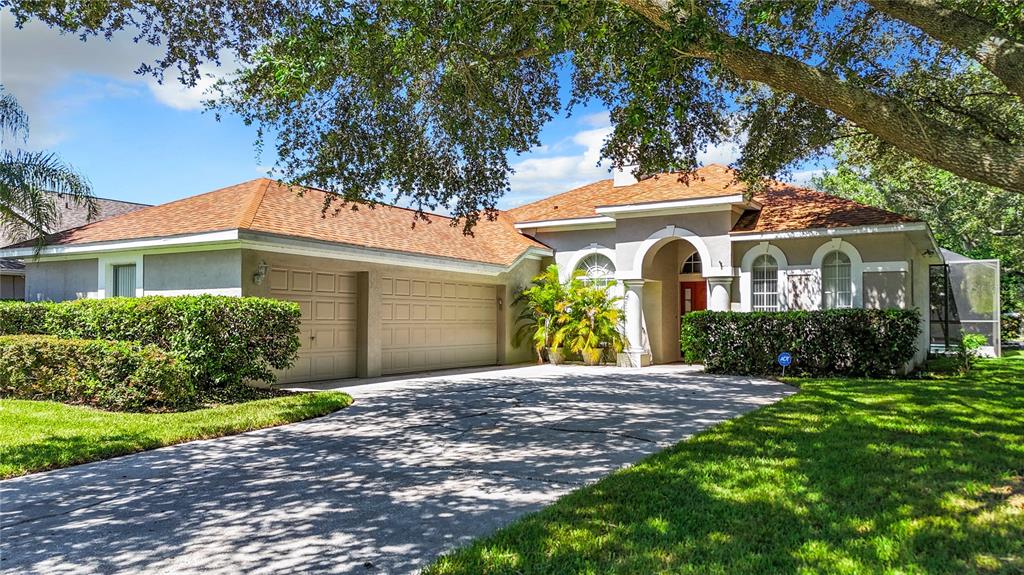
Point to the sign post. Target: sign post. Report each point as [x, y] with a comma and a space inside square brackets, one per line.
[784, 360]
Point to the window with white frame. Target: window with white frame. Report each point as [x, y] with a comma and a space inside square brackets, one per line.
[124, 280]
[597, 268]
[692, 265]
[765, 278]
[836, 282]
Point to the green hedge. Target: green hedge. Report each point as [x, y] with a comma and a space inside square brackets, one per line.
[834, 342]
[224, 340]
[120, 376]
[17, 317]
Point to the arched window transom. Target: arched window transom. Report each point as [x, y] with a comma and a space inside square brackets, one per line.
[597, 268]
[692, 265]
[836, 281]
[765, 277]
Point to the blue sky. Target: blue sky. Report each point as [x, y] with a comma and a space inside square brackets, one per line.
[140, 141]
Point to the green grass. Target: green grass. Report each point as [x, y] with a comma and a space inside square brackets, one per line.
[39, 435]
[847, 476]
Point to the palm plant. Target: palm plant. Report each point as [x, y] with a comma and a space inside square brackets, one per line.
[31, 181]
[539, 313]
[589, 321]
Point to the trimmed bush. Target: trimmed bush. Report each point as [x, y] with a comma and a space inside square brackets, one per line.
[856, 342]
[119, 376]
[223, 340]
[18, 317]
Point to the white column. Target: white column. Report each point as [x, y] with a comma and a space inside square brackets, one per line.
[719, 294]
[635, 352]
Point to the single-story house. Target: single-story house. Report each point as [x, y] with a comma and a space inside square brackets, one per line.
[69, 215]
[380, 296]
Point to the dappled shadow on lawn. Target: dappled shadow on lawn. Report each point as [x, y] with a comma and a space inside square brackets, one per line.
[847, 477]
[383, 486]
[52, 435]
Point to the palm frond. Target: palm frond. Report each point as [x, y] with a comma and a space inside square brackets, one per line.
[13, 119]
[27, 208]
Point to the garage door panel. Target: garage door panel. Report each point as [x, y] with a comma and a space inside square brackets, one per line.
[434, 325]
[327, 336]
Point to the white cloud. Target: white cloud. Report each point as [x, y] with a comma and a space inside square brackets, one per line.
[35, 61]
[538, 177]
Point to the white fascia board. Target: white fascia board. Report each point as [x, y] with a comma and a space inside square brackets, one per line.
[828, 232]
[84, 250]
[313, 248]
[591, 221]
[672, 205]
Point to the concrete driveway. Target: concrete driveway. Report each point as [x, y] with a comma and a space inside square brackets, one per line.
[413, 468]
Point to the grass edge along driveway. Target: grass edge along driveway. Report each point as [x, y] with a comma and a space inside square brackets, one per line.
[40, 435]
[847, 476]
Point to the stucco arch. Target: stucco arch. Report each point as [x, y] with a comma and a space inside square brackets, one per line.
[746, 279]
[578, 256]
[836, 244]
[856, 266]
[661, 237]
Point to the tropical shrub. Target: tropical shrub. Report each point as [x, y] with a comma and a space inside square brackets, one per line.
[967, 350]
[120, 376]
[18, 317]
[223, 340]
[857, 342]
[538, 303]
[589, 321]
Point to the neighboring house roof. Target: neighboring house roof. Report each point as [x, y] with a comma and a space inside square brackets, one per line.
[781, 207]
[709, 181]
[70, 215]
[267, 206]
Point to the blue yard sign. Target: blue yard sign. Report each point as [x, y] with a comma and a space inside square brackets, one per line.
[784, 360]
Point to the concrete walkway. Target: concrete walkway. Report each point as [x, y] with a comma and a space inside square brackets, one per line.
[413, 468]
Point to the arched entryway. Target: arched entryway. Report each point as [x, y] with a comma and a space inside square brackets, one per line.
[674, 284]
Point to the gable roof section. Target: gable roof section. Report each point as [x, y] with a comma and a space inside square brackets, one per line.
[789, 208]
[710, 181]
[782, 207]
[266, 206]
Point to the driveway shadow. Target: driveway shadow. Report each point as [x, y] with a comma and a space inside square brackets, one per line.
[410, 470]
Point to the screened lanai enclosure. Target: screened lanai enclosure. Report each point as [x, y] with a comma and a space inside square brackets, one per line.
[964, 298]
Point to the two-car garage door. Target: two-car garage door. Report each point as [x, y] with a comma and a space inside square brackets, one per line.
[425, 324]
[431, 324]
[328, 333]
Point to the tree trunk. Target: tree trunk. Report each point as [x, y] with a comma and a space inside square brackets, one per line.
[997, 52]
[961, 152]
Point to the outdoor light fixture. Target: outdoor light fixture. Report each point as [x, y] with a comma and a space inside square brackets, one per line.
[261, 273]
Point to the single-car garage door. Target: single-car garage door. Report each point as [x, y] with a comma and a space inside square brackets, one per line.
[430, 324]
[328, 332]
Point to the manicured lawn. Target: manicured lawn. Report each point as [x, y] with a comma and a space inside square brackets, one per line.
[848, 476]
[38, 435]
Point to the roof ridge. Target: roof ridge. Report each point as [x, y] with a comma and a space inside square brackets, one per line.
[249, 214]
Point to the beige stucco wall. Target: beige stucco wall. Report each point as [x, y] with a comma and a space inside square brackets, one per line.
[61, 280]
[216, 272]
[885, 290]
[661, 301]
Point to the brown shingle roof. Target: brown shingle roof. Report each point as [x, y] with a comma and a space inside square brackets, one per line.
[267, 206]
[70, 215]
[709, 181]
[788, 208]
[783, 207]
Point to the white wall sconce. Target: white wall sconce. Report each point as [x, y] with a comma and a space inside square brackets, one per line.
[261, 273]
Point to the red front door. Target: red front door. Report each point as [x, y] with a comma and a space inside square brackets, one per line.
[693, 296]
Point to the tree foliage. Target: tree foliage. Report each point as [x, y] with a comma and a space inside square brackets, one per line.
[966, 217]
[428, 99]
